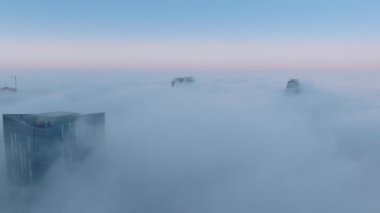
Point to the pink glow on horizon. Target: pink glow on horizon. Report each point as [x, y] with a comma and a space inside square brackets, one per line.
[50, 55]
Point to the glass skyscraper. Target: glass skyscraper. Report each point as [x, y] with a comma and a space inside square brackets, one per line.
[34, 142]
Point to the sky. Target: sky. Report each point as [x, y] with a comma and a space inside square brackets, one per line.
[193, 35]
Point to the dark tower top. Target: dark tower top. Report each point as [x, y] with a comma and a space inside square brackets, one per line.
[293, 86]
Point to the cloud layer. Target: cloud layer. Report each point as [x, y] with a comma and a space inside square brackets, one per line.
[228, 143]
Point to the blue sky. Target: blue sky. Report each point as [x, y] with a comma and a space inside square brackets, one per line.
[198, 19]
[303, 24]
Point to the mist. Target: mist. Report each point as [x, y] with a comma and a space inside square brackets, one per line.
[229, 142]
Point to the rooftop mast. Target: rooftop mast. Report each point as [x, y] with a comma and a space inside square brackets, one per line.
[15, 78]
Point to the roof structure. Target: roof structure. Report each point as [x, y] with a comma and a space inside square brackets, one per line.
[8, 89]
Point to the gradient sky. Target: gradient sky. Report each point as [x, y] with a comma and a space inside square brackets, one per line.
[196, 34]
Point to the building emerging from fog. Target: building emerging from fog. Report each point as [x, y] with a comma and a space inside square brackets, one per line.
[33, 142]
[293, 86]
[7, 89]
[181, 80]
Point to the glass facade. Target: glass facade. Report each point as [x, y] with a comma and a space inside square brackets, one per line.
[33, 142]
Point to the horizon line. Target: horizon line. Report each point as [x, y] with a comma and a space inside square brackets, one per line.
[177, 55]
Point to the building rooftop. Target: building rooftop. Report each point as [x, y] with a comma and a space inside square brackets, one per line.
[293, 86]
[56, 114]
[181, 80]
[8, 89]
[44, 120]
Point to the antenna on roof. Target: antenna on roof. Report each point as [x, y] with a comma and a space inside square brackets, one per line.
[15, 78]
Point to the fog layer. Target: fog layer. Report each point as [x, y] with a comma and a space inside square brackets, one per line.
[226, 143]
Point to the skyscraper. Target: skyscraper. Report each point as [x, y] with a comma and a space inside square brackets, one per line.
[33, 142]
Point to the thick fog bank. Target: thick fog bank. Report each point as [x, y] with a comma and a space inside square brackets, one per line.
[226, 143]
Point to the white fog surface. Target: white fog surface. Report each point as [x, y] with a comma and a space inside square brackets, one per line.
[229, 142]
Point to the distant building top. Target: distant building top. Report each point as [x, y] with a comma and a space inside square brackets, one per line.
[8, 89]
[181, 80]
[293, 86]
